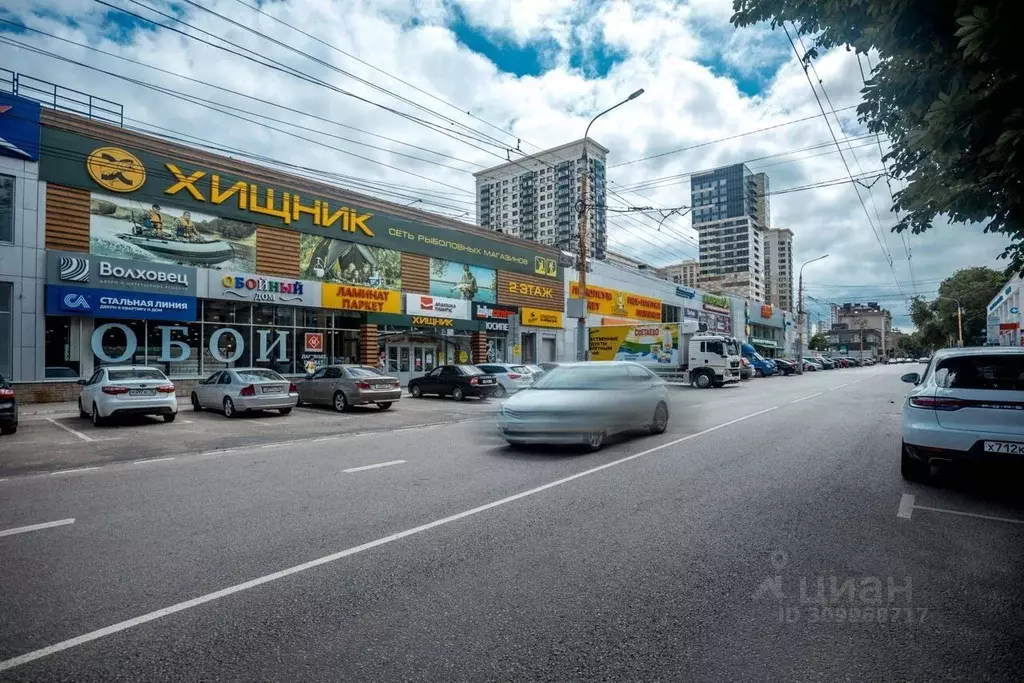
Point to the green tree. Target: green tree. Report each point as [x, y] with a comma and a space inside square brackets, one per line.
[936, 320]
[819, 342]
[946, 93]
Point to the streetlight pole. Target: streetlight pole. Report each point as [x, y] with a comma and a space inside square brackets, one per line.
[959, 318]
[582, 352]
[800, 318]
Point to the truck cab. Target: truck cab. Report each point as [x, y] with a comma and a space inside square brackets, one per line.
[713, 360]
[762, 366]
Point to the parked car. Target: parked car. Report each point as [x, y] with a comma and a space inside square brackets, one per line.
[511, 378]
[811, 365]
[923, 359]
[343, 386]
[536, 370]
[584, 403]
[457, 381]
[8, 408]
[547, 366]
[891, 361]
[242, 390]
[119, 390]
[784, 366]
[746, 372]
[761, 366]
[965, 407]
[871, 361]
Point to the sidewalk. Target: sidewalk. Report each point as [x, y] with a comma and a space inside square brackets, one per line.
[47, 409]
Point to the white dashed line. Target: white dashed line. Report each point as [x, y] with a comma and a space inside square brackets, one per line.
[37, 527]
[906, 508]
[146, 462]
[373, 467]
[969, 514]
[77, 433]
[840, 386]
[807, 397]
[72, 471]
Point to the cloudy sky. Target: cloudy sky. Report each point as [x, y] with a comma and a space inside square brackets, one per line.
[405, 99]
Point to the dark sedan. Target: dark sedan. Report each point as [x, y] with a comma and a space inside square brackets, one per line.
[457, 381]
[8, 408]
[784, 367]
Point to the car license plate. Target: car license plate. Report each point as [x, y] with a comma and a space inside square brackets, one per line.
[1010, 447]
[488, 380]
[380, 386]
[5, 404]
[142, 392]
[271, 390]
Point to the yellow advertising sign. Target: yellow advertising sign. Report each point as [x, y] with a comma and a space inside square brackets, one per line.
[645, 344]
[539, 317]
[353, 298]
[614, 302]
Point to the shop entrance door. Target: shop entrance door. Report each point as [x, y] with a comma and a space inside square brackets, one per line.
[406, 361]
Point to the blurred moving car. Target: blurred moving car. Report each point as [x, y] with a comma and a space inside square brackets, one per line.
[457, 381]
[967, 406]
[241, 390]
[343, 386]
[785, 366]
[8, 408]
[511, 378]
[584, 403]
[118, 390]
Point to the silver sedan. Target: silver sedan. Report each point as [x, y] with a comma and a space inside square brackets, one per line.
[240, 390]
[583, 403]
[342, 386]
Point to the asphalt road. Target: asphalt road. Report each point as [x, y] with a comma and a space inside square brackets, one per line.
[766, 536]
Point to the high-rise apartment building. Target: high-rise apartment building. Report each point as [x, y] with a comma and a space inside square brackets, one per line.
[730, 213]
[686, 273]
[778, 268]
[535, 197]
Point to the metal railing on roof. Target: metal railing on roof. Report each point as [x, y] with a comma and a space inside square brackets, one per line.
[61, 98]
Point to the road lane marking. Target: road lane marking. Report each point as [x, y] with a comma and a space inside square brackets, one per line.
[72, 470]
[77, 433]
[373, 467]
[37, 527]
[326, 559]
[840, 386]
[968, 514]
[906, 508]
[146, 462]
[807, 397]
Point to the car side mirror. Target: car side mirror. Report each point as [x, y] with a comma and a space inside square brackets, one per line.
[911, 378]
[81, 382]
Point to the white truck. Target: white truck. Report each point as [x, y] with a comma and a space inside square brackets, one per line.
[675, 351]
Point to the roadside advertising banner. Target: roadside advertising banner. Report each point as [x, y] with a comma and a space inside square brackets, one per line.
[646, 344]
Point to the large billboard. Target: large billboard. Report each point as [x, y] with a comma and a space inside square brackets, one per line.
[123, 227]
[463, 281]
[646, 344]
[349, 263]
[614, 302]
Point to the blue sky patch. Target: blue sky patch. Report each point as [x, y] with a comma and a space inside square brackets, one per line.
[531, 59]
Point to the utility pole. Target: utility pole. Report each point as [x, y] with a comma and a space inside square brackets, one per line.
[800, 318]
[582, 350]
[959, 318]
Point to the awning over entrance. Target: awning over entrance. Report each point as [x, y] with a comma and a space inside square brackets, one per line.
[423, 321]
[764, 343]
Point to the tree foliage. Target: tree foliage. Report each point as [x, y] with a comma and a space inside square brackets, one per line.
[973, 288]
[947, 94]
[819, 342]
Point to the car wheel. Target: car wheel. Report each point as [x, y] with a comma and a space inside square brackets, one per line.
[911, 469]
[97, 419]
[415, 391]
[339, 401]
[285, 411]
[384, 405]
[660, 422]
[703, 380]
[229, 407]
[595, 440]
[8, 430]
[458, 394]
[758, 373]
[170, 417]
[195, 404]
[82, 414]
[500, 392]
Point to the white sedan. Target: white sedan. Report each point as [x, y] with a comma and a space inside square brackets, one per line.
[115, 391]
[967, 405]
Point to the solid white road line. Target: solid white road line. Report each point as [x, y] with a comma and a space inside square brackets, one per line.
[75, 469]
[968, 514]
[253, 583]
[37, 527]
[373, 467]
[146, 462]
[807, 397]
[906, 506]
[77, 433]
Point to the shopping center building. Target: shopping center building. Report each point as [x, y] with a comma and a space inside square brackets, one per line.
[118, 247]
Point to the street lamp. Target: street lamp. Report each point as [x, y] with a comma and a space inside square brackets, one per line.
[959, 318]
[800, 318]
[581, 324]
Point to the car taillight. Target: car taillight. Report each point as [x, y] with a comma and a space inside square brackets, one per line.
[292, 388]
[169, 389]
[933, 403]
[114, 391]
[473, 380]
[396, 384]
[248, 390]
[363, 385]
[6, 393]
[513, 375]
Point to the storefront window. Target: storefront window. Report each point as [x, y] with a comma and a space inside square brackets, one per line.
[496, 349]
[6, 328]
[670, 314]
[62, 348]
[227, 312]
[175, 348]
[119, 342]
[6, 221]
[225, 346]
[315, 317]
[272, 348]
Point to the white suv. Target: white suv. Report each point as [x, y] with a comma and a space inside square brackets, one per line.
[967, 405]
[126, 390]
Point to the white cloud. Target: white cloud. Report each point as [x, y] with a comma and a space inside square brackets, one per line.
[686, 103]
